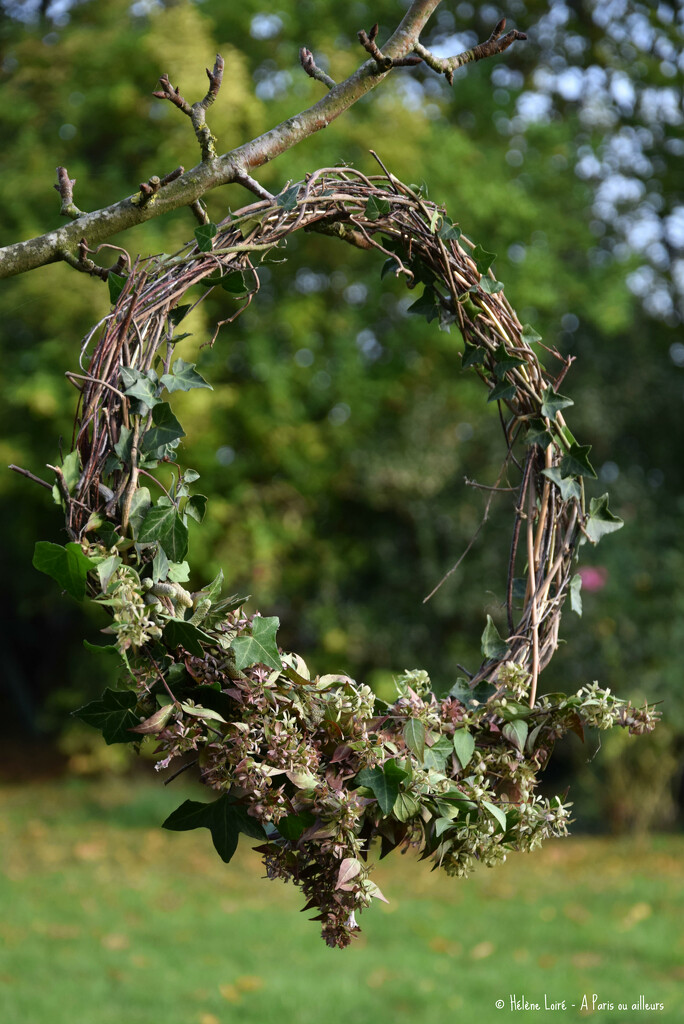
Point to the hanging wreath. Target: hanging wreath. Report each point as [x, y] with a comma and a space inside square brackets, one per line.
[317, 767]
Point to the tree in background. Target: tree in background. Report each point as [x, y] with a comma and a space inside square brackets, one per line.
[341, 442]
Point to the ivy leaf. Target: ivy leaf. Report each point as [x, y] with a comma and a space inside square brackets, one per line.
[389, 266]
[569, 488]
[493, 644]
[538, 434]
[178, 633]
[505, 362]
[496, 812]
[502, 392]
[224, 819]
[472, 356]
[490, 287]
[529, 335]
[376, 207]
[213, 590]
[195, 507]
[166, 429]
[260, 648]
[116, 284]
[576, 594]
[601, 520]
[414, 736]
[178, 314]
[464, 745]
[553, 403]
[110, 650]
[384, 783]
[483, 259]
[179, 572]
[516, 732]
[71, 472]
[140, 506]
[124, 444]
[427, 305]
[106, 569]
[114, 715]
[67, 565]
[183, 378]
[163, 523]
[204, 234]
[480, 694]
[405, 807]
[142, 386]
[576, 462]
[287, 199]
[448, 232]
[160, 565]
[436, 755]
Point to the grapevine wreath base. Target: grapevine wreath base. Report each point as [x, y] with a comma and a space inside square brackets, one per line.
[317, 767]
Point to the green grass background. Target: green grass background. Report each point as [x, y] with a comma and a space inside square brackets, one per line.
[107, 920]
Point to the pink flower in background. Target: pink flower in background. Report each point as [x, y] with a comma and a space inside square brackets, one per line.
[594, 577]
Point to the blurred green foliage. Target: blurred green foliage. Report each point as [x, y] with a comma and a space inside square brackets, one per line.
[336, 442]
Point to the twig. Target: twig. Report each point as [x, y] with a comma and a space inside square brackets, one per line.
[197, 112]
[183, 768]
[199, 212]
[245, 179]
[383, 62]
[65, 187]
[531, 568]
[30, 476]
[307, 61]
[496, 43]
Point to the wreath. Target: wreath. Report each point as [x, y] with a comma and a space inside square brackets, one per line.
[318, 767]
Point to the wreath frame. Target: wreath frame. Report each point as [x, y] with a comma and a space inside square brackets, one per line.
[314, 767]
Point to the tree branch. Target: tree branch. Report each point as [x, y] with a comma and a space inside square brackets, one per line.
[187, 188]
[495, 44]
[65, 187]
[306, 59]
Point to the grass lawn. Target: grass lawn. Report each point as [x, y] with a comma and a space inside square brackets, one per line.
[109, 920]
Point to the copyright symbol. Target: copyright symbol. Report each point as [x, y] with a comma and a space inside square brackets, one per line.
[499, 1004]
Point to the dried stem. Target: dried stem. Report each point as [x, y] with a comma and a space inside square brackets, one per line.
[496, 44]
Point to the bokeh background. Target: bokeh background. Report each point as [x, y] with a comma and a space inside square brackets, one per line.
[334, 450]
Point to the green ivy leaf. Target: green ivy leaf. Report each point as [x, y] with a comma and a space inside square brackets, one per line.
[67, 565]
[376, 207]
[493, 644]
[448, 232]
[569, 488]
[389, 266]
[529, 335]
[179, 572]
[260, 648]
[116, 284]
[576, 462]
[414, 736]
[164, 524]
[470, 696]
[124, 444]
[204, 235]
[483, 259]
[110, 650]
[384, 783]
[405, 807]
[195, 507]
[427, 305]
[166, 429]
[160, 565]
[538, 434]
[436, 755]
[113, 714]
[464, 745]
[287, 199]
[71, 472]
[184, 377]
[490, 287]
[178, 633]
[178, 314]
[504, 362]
[601, 520]
[106, 569]
[576, 594]
[224, 819]
[552, 403]
[140, 506]
[142, 386]
[502, 392]
[516, 732]
[472, 356]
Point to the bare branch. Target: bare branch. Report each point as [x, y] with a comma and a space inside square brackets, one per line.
[235, 165]
[307, 61]
[65, 187]
[494, 45]
[199, 211]
[383, 62]
[197, 112]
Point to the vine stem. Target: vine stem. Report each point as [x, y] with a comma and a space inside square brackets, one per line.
[533, 595]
